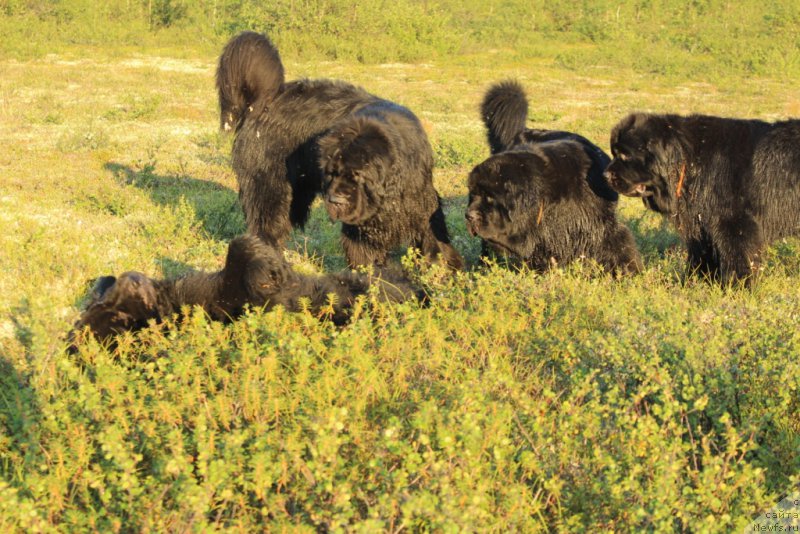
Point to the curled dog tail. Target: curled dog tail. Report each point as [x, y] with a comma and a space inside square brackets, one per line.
[249, 77]
[504, 110]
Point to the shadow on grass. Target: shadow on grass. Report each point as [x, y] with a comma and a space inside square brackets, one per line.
[654, 242]
[174, 268]
[320, 238]
[22, 332]
[215, 206]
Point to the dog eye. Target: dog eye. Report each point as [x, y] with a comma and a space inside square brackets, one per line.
[490, 200]
[624, 157]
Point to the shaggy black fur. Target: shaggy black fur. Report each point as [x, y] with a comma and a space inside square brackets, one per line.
[276, 155]
[536, 205]
[272, 281]
[730, 186]
[377, 167]
[249, 75]
[541, 196]
[255, 274]
[129, 302]
[504, 111]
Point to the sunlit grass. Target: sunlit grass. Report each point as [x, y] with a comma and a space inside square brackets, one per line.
[514, 402]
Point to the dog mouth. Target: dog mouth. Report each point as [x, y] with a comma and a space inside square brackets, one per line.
[474, 222]
[639, 190]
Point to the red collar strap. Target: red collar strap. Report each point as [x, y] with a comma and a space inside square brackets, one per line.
[679, 188]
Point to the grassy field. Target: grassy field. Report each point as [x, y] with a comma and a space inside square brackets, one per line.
[515, 402]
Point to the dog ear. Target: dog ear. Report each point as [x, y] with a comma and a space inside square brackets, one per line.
[564, 170]
[372, 141]
[361, 148]
[136, 293]
[359, 142]
[665, 143]
[328, 147]
[519, 173]
[624, 125]
[101, 285]
[371, 153]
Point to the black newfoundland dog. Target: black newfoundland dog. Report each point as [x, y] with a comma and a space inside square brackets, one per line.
[730, 186]
[370, 158]
[541, 196]
[255, 274]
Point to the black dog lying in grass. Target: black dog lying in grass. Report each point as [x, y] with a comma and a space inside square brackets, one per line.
[541, 197]
[255, 274]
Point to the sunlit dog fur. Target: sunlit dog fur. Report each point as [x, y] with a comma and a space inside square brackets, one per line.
[730, 186]
[377, 167]
[282, 127]
[541, 197]
[255, 274]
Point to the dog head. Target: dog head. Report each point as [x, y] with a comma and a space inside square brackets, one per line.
[511, 193]
[647, 158]
[119, 304]
[356, 159]
[268, 278]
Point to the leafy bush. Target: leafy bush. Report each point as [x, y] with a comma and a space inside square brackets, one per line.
[514, 402]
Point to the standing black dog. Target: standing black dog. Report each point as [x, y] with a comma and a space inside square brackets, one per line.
[377, 160]
[377, 167]
[255, 274]
[541, 196]
[730, 186]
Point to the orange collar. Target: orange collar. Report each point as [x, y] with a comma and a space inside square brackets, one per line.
[679, 188]
[541, 212]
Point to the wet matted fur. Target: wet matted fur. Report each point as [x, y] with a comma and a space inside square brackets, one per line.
[276, 154]
[504, 111]
[377, 167]
[255, 274]
[541, 196]
[536, 205]
[730, 186]
[132, 300]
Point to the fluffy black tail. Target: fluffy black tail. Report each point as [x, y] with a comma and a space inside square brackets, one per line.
[504, 110]
[249, 76]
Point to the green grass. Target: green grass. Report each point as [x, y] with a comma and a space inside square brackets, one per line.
[515, 402]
